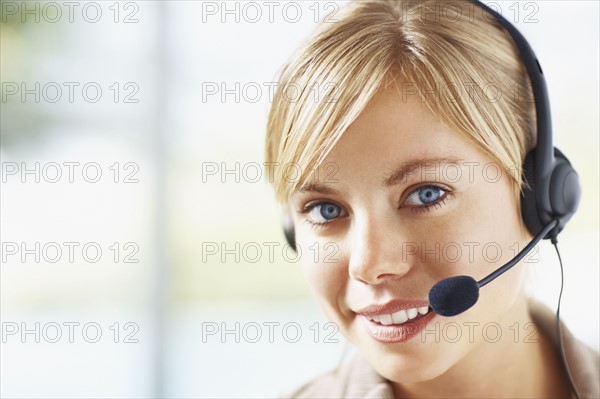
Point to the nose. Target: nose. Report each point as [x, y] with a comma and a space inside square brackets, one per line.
[376, 255]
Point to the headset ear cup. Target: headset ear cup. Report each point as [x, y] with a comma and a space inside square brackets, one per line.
[563, 195]
[565, 189]
[288, 230]
[529, 210]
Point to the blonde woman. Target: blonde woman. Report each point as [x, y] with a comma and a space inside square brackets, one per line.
[411, 126]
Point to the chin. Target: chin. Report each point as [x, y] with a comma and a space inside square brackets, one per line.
[406, 364]
[401, 372]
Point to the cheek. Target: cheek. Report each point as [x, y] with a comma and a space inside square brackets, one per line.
[479, 235]
[327, 278]
[488, 229]
[490, 234]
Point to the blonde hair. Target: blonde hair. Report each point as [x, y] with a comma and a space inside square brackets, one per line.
[453, 45]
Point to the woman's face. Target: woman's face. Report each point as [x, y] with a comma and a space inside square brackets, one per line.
[401, 203]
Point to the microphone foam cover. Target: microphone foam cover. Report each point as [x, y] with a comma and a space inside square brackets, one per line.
[453, 295]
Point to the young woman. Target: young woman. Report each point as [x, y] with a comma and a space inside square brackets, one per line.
[409, 126]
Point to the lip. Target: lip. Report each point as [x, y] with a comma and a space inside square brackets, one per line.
[395, 333]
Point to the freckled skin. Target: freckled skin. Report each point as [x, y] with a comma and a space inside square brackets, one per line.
[388, 248]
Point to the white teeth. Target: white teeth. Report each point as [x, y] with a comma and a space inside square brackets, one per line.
[412, 313]
[386, 319]
[400, 316]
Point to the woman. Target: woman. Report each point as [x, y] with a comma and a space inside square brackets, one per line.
[409, 126]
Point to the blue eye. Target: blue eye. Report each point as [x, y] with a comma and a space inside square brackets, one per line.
[425, 195]
[324, 212]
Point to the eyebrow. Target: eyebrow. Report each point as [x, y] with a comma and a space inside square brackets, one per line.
[409, 167]
[319, 188]
[398, 176]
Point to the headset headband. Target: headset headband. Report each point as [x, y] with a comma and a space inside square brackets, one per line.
[544, 150]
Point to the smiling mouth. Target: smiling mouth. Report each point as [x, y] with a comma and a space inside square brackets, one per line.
[400, 317]
[397, 327]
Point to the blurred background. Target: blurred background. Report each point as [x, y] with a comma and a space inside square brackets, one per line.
[142, 254]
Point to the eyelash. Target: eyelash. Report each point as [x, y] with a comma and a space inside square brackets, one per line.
[309, 207]
[434, 205]
[418, 209]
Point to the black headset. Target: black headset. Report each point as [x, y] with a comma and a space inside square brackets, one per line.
[551, 190]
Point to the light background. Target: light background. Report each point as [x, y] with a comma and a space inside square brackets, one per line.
[171, 53]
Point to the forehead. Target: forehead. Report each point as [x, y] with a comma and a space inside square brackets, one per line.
[393, 130]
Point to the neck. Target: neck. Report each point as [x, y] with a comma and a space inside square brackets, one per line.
[529, 367]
